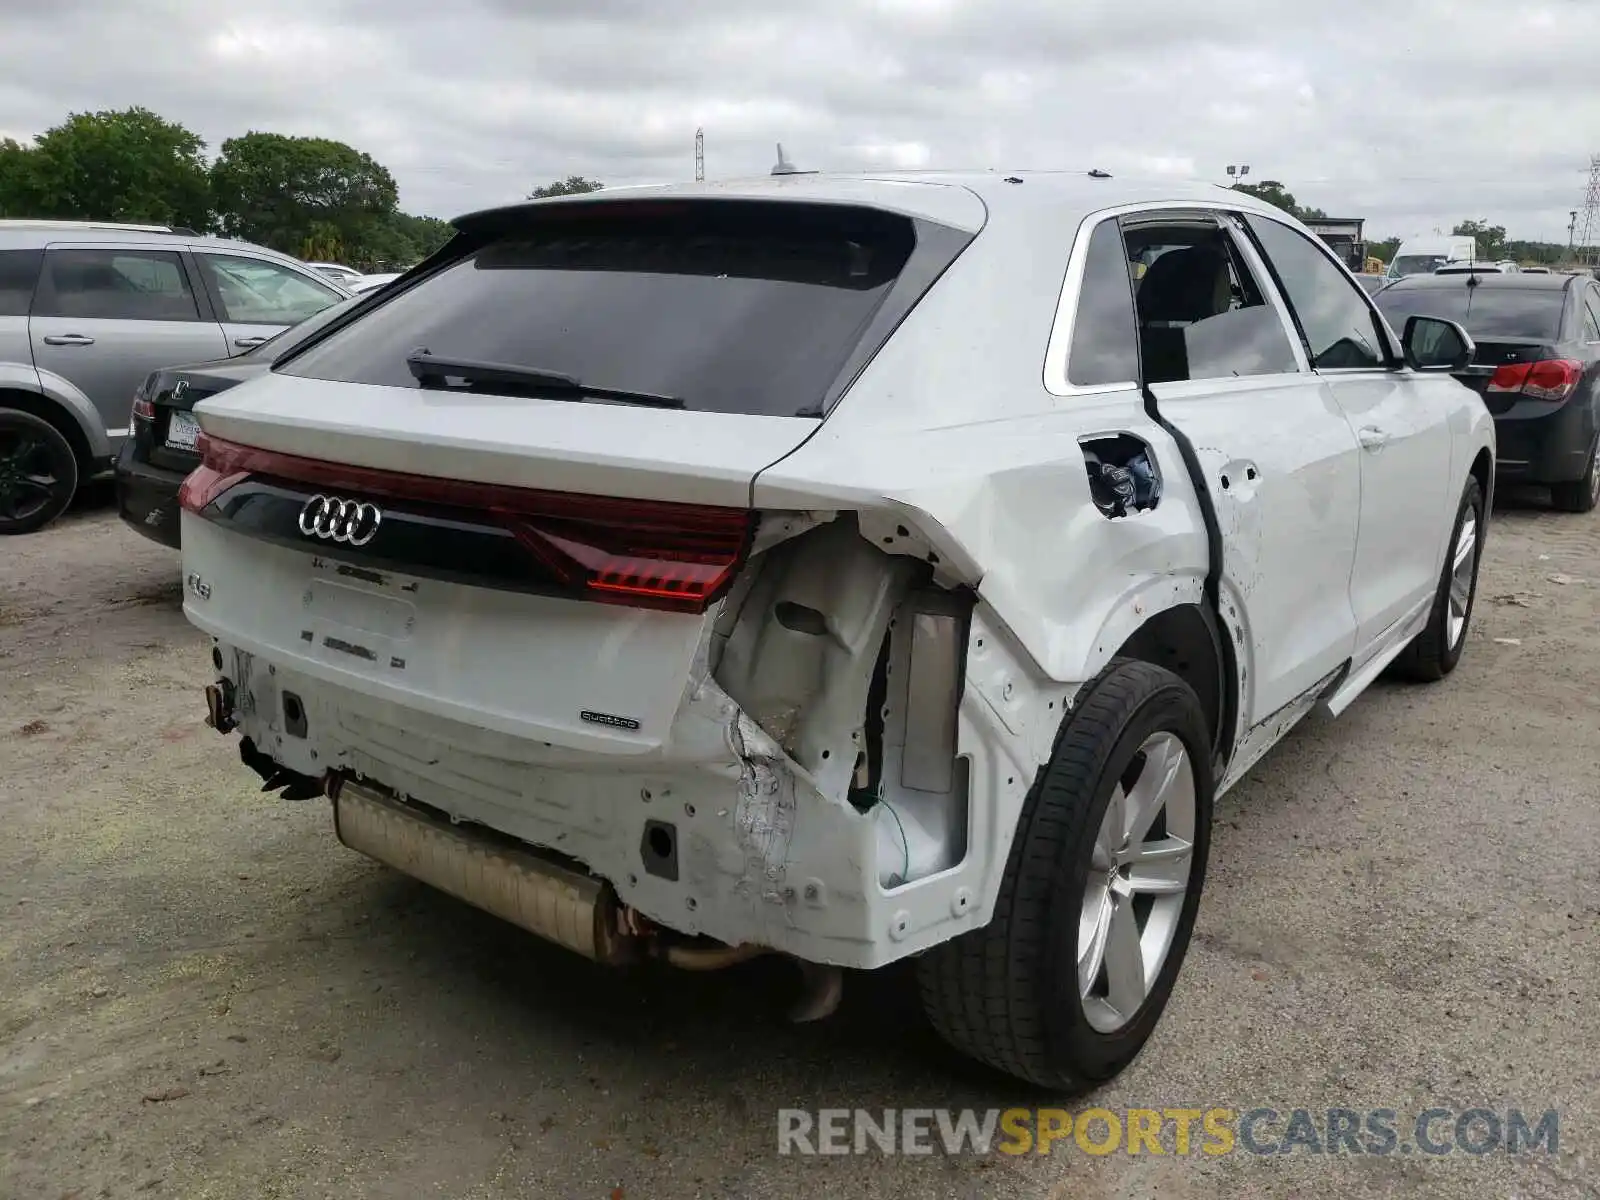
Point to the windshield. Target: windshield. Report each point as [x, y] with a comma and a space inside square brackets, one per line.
[746, 308]
[1417, 264]
[1524, 314]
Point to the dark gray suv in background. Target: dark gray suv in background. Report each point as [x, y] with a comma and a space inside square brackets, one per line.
[88, 310]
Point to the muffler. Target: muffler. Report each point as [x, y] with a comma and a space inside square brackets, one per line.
[549, 900]
[554, 902]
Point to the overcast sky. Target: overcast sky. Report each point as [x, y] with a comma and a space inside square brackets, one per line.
[1411, 113]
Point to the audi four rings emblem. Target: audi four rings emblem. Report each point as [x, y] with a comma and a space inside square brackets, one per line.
[353, 522]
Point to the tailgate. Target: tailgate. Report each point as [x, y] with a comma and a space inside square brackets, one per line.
[579, 675]
[511, 492]
[555, 445]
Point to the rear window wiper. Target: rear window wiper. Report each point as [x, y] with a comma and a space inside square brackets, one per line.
[436, 371]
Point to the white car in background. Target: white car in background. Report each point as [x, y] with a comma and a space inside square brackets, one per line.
[368, 282]
[349, 277]
[849, 568]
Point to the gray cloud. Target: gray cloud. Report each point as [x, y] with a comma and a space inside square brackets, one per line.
[1413, 115]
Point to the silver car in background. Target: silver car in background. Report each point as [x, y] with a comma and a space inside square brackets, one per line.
[87, 310]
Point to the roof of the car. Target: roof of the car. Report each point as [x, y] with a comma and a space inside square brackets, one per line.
[1494, 280]
[966, 199]
[30, 235]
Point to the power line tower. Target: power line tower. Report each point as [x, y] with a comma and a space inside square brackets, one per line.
[1591, 213]
[700, 156]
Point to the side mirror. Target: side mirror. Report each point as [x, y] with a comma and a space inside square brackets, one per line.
[1434, 344]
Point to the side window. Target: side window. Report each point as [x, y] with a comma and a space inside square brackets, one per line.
[1591, 314]
[1202, 315]
[19, 271]
[1338, 323]
[115, 285]
[1105, 337]
[256, 292]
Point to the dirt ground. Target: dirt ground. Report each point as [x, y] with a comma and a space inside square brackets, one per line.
[203, 995]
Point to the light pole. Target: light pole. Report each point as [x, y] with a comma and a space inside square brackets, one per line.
[1237, 173]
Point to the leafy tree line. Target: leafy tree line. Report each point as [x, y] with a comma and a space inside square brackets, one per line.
[311, 197]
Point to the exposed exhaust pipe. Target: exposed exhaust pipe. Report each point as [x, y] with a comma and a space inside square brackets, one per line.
[561, 905]
[554, 902]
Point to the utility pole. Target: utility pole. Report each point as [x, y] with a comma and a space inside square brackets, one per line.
[1591, 212]
[1572, 233]
[699, 155]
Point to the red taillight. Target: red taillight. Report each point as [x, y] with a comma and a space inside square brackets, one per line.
[643, 553]
[1548, 379]
[209, 480]
[143, 410]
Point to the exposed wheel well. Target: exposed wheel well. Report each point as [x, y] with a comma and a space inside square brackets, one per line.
[1187, 642]
[48, 410]
[1483, 471]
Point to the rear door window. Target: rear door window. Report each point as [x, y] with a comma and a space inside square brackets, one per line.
[1201, 313]
[115, 285]
[19, 271]
[253, 291]
[734, 307]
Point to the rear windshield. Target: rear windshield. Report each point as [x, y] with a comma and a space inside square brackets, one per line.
[727, 307]
[1484, 312]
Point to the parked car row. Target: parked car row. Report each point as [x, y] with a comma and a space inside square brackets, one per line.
[88, 310]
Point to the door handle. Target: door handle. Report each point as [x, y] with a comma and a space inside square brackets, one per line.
[68, 339]
[248, 343]
[1372, 438]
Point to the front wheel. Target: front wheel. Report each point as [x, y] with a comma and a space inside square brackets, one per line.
[1435, 651]
[1066, 983]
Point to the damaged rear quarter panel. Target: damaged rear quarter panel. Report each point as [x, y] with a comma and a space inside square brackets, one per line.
[949, 447]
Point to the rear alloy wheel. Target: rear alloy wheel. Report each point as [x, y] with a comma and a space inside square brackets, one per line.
[1581, 495]
[1435, 651]
[38, 472]
[1066, 983]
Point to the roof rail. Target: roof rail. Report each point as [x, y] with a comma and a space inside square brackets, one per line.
[46, 223]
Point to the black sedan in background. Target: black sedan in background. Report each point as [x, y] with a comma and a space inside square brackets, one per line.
[1537, 368]
[161, 449]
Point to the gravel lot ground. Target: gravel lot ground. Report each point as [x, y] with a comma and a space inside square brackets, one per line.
[203, 995]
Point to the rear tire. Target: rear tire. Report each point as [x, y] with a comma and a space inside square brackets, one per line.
[1580, 495]
[38, 472]
[1009, 994]
[1435, 651]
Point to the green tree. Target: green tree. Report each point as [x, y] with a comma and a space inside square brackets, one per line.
[1275, 193]
[109, 166]
[1491, 238]
[401, 240]
[16, 178]
[280, 191]
[572, 185]
[322, 244]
